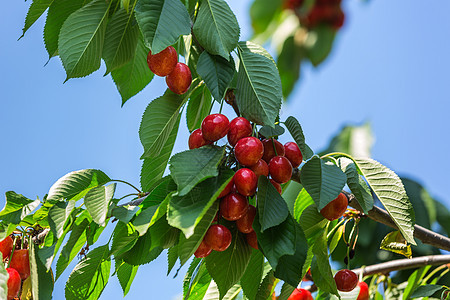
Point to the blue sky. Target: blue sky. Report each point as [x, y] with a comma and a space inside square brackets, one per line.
[389, 66]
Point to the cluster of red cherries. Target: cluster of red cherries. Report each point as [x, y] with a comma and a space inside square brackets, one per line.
[19, 266]
[326, 12]
[165, 63]
[255, 158]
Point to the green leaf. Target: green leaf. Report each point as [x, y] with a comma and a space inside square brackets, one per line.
[75, 185]
[253, 275]
[258, 91]
[190, 276]
[277, 241]
[97, 202]
[162, 22]
[57, 14]
[198, 107]
[414, 280]
[58, 215]
[356, 184]
[301, 203]
[443, 216]
[81, 39]
[290, 194]
[269, 132]
[227, 267]
[424, 205]
[37, 8]
[216, 28]
[288, 63]
[73, 246]
[142, 252]
[160, 192]
[322, 180]
[426, 290]
[124, 238]
[17, 207]
[286, 291]
[395, 242]
[125, 274]
[163, 235]
[336, 238]
[121, 38]
[41, 281]
[312, 223]
[125, 213]
[320, 266]
[158, 122]
[90, 276]
[262, 12]
[185, 212]
[272, 209]
[290, 267]
[134, 76]
[295, 129]
[266, 287]
[172, 257]
[389, 189]
[217, 72]
[3, 280]
[191, 167]
[187, 247]
[319, 43]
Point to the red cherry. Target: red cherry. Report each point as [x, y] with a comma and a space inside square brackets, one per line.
[346, 280]
[21, 262]
[276, 185]
[293, 153]
[252, 240]
[300, 294]
[248, 151]
[245, 181]
[338, 19]
[239, 128]
[163, 63]
[180, 79]
[336, 208]
[269, 151]
[233, 206]
[280, 169]
[6, 246]
[228, 188]
[245, 223]
[203, 250]
[218, 237]
[13, 283]
[363, 291]
[196, 139]
[215, 127]
[260, 168]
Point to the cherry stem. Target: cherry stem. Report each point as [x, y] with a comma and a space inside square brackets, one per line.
[274, 148]
[12, 251]
[123, 181]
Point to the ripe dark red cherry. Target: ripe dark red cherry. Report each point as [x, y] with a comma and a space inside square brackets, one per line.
[21, 262]
[6, 246]
[252, 240]
[215, 127]
[260, 168]
[276, 185]
[363, 291]
[248, 151]
[346, 280]
[180, 79]
[293, 153]
[245, 223]
[336, 208]
[233, 206]
[196, 139]
[228, 188]
[218, 237]
[13, 283]
[239, 128]
[269, 151]
[203, 250]
[300, 294]
[245, 181]
[280, 169]
[163, 63]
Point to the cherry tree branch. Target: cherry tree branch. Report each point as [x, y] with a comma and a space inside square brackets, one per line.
[379, 215]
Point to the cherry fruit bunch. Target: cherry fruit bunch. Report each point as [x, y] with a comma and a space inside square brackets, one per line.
[18, 265]
[326, 12]
[254, 157]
